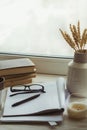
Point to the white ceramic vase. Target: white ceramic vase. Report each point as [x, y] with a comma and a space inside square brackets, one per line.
[77, 74]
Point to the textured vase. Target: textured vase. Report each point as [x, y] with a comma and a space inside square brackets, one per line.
[77, 74]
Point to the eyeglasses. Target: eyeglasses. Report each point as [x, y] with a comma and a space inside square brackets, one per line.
[23, 89]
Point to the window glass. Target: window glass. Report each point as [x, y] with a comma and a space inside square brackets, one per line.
[32, 26]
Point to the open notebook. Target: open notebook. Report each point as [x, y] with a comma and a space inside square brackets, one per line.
[48, 106]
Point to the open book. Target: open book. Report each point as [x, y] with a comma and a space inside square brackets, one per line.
[48, 106]
[16, 66]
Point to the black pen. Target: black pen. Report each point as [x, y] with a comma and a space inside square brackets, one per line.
[25, 100]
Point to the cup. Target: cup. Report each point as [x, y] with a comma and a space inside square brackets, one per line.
[77, 106]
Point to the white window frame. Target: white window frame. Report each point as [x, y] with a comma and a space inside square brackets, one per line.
[44, 64]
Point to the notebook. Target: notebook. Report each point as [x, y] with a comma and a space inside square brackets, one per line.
[50, 105]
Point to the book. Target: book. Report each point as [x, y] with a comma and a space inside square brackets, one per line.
[18, 79]
[13, 82]
[16, 66]
[48, 106]
[24, 75]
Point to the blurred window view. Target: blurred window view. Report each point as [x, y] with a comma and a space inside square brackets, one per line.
[32, 26]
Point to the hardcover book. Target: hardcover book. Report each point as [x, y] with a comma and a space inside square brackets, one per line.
[16, 66]
[13, 82]
[18, 79]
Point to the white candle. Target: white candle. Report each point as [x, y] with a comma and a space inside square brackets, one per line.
[77, 110]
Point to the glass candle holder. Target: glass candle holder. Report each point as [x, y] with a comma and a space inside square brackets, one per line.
[77, 106]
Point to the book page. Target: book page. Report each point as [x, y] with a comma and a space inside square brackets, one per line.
[46, 101]
[14, 63]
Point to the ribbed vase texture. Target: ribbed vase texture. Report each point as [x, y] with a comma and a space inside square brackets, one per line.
[77, 74]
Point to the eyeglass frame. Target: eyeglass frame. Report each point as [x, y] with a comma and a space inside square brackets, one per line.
[29, 90]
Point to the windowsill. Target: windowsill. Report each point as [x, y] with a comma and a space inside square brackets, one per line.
[46, 77]
[46, 65]
[66, 124]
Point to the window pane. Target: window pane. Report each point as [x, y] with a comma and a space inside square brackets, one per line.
[32, 26]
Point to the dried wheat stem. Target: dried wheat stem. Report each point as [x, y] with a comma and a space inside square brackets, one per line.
[77, 42]
[83, 39]
[74, 35]
[68, 39]
[79, 35]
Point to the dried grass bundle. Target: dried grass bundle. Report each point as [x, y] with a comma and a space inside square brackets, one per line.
[77, 41]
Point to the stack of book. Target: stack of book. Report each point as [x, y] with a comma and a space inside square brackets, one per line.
[17, 71]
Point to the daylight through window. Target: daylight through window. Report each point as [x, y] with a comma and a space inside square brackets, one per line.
[32, 26]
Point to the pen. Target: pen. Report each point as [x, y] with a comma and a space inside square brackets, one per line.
[25, 100]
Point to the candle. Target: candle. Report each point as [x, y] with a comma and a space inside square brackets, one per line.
[77, 110]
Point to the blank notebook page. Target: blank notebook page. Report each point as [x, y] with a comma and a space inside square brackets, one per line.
[45, 101]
